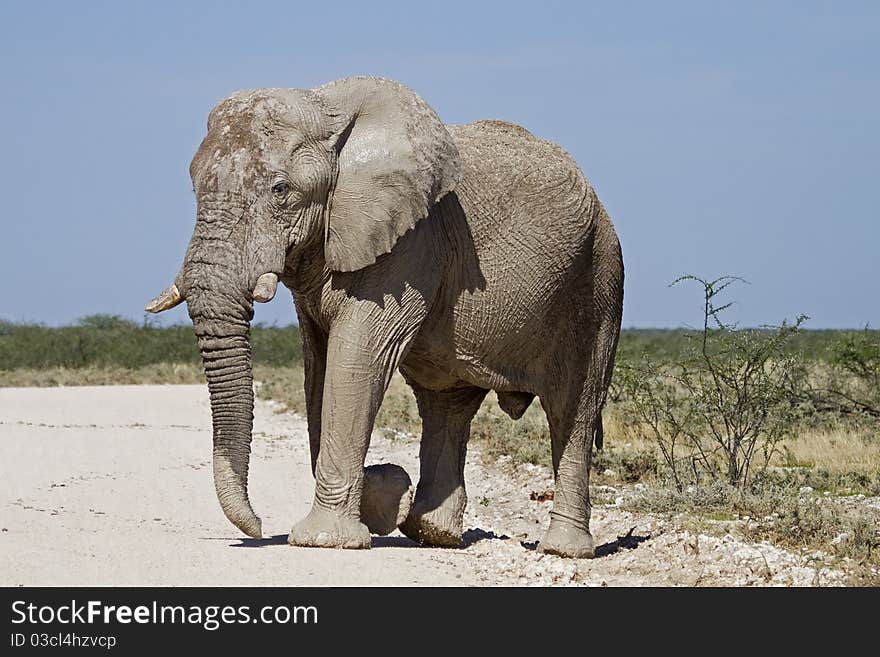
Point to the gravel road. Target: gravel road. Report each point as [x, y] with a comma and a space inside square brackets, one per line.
[112, 486]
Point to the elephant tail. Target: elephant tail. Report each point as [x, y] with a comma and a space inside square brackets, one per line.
[608, 286]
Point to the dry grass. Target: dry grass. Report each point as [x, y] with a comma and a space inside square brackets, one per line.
[102, 376]
[838, 450]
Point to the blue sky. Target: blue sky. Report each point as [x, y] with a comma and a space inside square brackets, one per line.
[724, 138]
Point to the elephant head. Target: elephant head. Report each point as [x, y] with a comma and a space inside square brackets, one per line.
[332, 176]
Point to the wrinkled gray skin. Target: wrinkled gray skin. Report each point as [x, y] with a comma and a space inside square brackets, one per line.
[386, 498]
[472, 258]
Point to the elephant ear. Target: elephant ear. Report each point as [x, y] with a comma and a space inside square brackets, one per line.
[396, 160]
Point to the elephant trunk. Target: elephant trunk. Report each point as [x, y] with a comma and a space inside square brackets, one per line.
[227, 362]
[220, 281]
[222, 327]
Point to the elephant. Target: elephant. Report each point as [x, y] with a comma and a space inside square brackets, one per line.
[469, 258]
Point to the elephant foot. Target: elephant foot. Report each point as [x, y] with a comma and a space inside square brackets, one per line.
[567, 540]
[323, 528]
[386, 498]
[438, 525]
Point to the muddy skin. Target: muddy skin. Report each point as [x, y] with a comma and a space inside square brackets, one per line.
[471, 258]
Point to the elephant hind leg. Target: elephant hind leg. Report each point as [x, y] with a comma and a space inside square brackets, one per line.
[438, 509]
[572, 421]
[574, 413]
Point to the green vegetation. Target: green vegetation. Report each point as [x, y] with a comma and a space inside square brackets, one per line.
[113, 341]
[110, 341]
[723, 406]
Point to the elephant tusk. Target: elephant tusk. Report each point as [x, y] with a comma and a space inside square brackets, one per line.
[169, 298]
[265, 288]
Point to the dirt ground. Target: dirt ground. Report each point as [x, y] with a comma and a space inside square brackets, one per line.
[112, 486]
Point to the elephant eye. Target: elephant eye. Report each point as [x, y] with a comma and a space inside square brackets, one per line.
[280, 189]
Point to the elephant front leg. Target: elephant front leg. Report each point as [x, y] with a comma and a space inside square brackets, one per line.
[359, 367]
[438, 510]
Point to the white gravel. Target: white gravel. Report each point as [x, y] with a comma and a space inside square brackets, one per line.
[112, 485]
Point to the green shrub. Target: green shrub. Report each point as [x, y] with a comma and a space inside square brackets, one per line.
[629, 466]
[722, 407]
[112, 341]
[850, 385]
